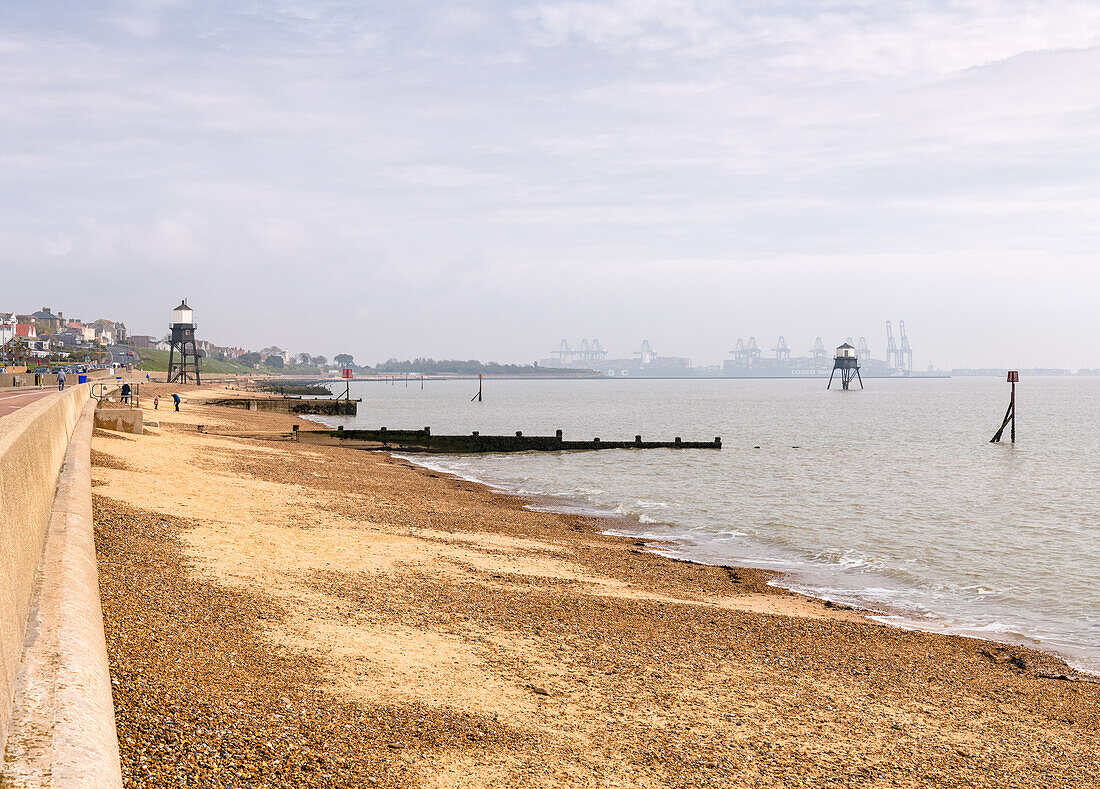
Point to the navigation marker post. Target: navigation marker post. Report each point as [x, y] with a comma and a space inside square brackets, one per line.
[1010, 414]
[478, 395]
[346, 374]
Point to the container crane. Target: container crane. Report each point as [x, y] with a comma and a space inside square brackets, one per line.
[819, 353]
[905, 355]
[892, 355]
[647, 353]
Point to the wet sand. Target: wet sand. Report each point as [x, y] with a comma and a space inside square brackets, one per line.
[287, 615]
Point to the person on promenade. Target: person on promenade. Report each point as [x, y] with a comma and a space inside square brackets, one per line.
[176, 400]
[61, 381]
[126, 393]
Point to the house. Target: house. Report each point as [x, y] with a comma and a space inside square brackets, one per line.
[66, 339]
[46, 318]
[26, 330]
[86, 333]
[276, 351]
[109, 332]
[143, 341]
[38, 348]
[7, 328]
[104, 331]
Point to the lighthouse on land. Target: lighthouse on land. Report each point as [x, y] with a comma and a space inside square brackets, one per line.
[183, 356]
[847, 362]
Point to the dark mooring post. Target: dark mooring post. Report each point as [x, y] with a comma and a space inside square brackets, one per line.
[478, 395]
[847, 362]
[1010, 414]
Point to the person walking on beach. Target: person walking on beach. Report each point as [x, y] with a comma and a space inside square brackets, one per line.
[176, 400]
[156, 402]
[61, 381]
[126, 393]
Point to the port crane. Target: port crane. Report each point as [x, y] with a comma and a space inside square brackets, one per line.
[588, 352]
[781, 349]
[819, 353]
[905, 354]
[647, 353]
[892, 353]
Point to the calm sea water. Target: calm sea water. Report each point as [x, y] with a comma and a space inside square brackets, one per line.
[891, 497]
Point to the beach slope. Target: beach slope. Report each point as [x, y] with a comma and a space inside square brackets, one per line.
[321, 616]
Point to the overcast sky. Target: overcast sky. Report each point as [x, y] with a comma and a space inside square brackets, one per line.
[483, 179]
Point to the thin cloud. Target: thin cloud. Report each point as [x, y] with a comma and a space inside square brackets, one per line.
[686, 171]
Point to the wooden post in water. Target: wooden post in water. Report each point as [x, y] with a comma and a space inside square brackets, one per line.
[478, 395]
[1010, 414]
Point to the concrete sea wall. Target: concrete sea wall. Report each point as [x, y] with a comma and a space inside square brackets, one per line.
[56, 717]
[9, 380]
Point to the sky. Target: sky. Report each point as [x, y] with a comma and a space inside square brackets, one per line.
[483, 179]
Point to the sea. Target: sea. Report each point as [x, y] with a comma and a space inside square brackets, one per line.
[890, 498]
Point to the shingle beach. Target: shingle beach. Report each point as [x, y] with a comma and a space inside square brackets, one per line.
[283, 615]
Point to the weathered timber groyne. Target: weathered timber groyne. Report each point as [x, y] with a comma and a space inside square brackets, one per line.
[289, 405]
[425, 441]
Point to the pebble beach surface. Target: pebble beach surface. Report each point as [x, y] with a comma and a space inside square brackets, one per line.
[283, 615]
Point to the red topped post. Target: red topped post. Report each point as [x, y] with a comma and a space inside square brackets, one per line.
[1010, 414]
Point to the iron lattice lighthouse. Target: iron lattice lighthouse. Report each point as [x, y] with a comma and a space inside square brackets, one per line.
[185, 368]
[847, 362]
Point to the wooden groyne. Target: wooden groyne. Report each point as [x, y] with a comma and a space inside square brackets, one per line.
[425, 441]
[289, 405]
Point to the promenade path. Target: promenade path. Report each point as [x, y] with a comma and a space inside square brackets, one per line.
[12, 402]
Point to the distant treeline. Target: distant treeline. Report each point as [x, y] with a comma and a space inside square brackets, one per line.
[467, 367]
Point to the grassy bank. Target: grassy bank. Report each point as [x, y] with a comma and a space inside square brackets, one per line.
[157, 362]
